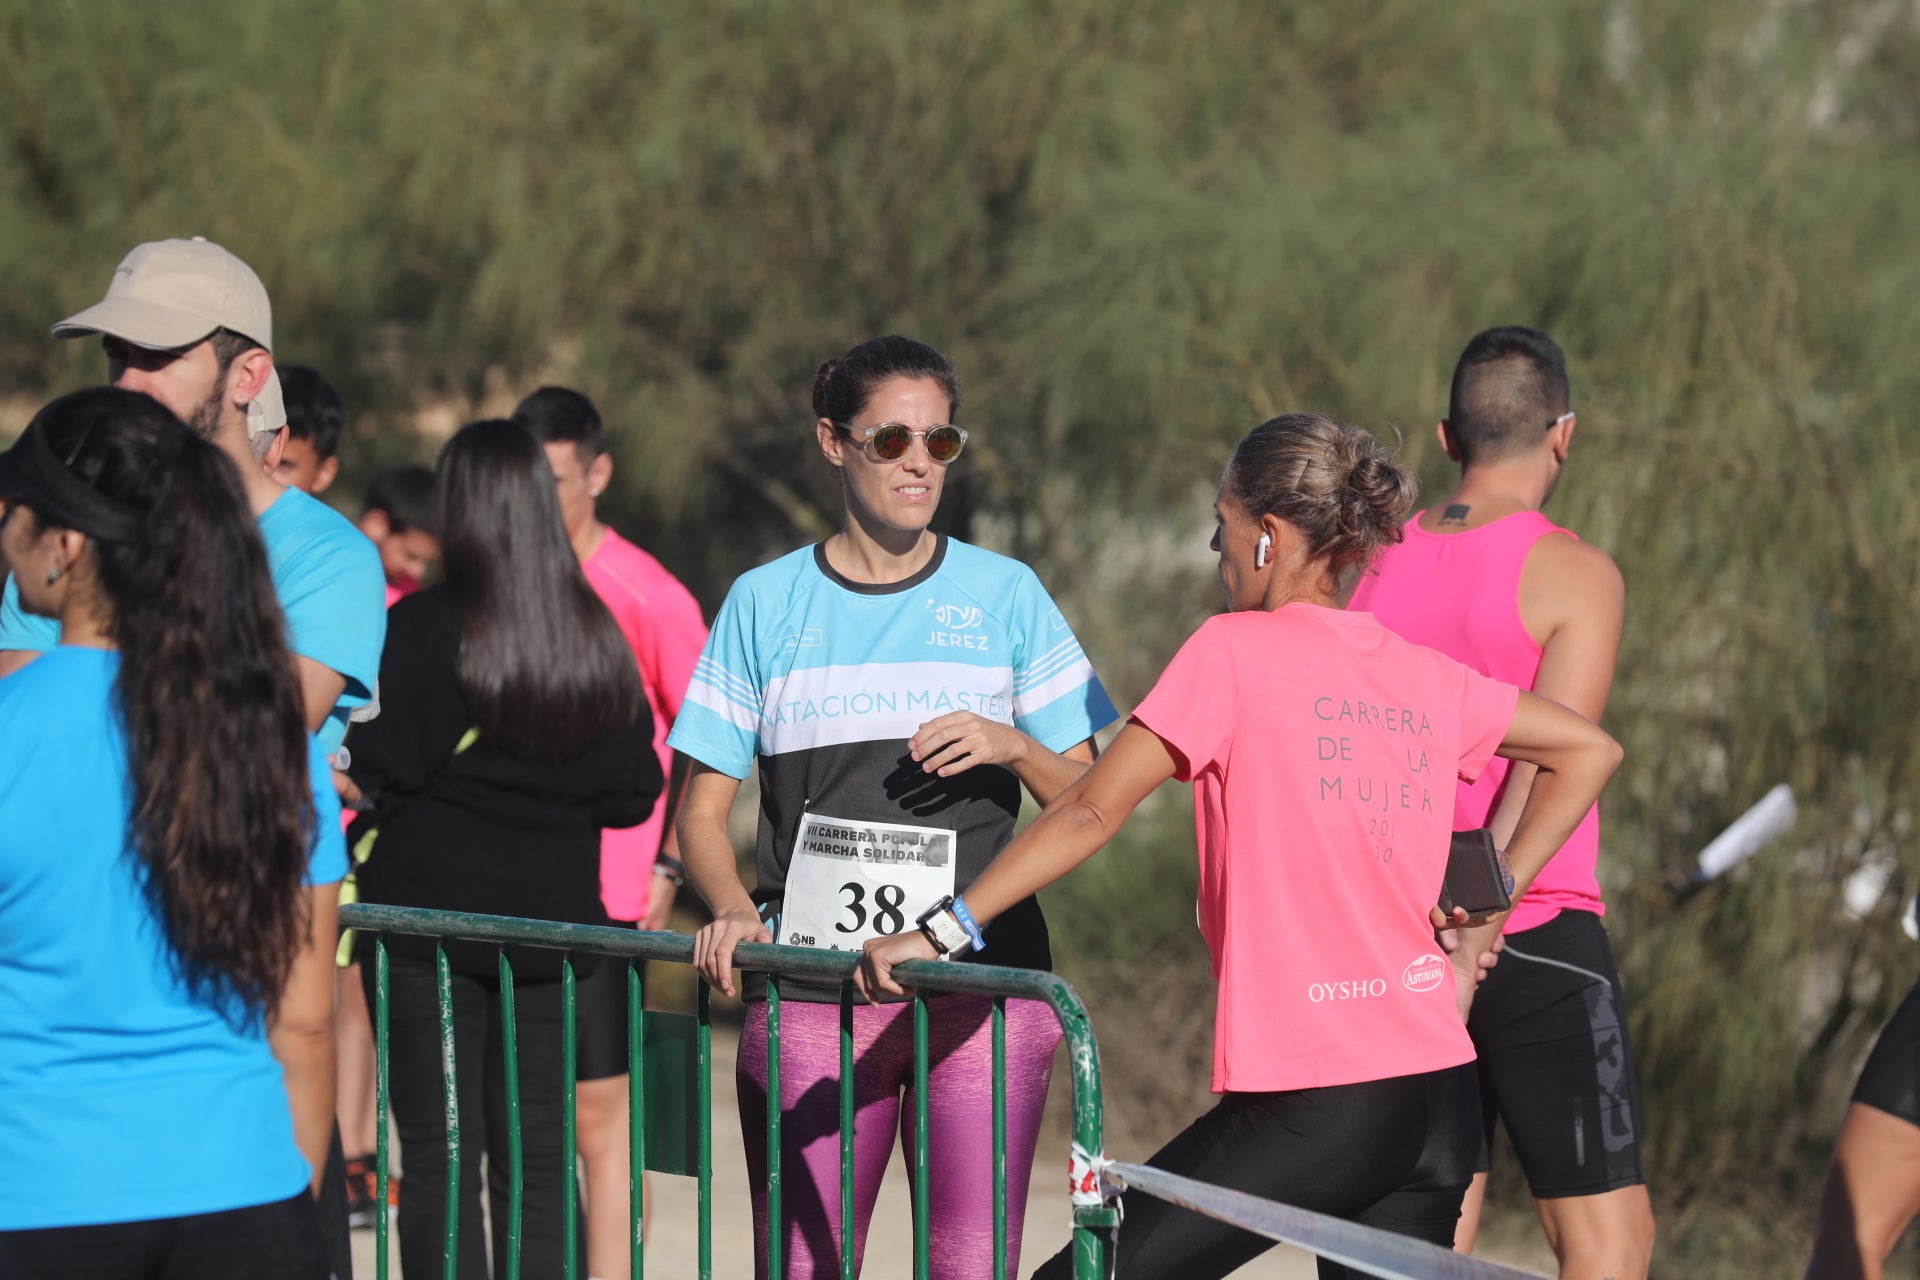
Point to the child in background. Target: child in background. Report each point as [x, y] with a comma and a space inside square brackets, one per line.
[315, 417]
[399, 519]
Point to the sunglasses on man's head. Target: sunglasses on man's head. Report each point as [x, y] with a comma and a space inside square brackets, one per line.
[891, 440]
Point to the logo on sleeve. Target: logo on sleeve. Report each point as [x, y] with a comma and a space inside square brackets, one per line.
[1424, 974]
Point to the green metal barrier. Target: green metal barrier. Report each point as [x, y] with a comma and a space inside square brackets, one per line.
[1092, 1224]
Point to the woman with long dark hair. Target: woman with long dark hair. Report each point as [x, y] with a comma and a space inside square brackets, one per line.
[512, 731]
[897, 689]
[170, 858]
[1323, 750]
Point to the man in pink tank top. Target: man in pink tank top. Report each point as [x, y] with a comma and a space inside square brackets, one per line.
[1490, 581]
[640, 867]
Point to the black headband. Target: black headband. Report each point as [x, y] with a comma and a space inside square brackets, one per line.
[32, 473]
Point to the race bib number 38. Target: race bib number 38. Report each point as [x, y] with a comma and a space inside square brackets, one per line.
[849, 881]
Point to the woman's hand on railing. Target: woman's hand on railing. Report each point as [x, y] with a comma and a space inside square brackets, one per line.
[875, 975]
[713, 945]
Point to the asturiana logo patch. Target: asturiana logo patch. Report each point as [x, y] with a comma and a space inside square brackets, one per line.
[1424, 974]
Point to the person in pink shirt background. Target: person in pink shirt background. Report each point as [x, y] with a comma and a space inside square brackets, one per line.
[640, 869]
[1324, 752]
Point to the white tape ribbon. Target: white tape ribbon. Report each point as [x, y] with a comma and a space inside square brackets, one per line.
[1368, 1249]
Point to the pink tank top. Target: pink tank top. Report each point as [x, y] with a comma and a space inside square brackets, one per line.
[1460, 593]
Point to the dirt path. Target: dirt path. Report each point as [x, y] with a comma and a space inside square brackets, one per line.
[672, 1248]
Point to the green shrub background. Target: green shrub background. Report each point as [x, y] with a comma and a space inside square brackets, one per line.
[1140, 227]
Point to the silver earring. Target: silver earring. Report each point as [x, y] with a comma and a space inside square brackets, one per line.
[53, 575]
[593, 493]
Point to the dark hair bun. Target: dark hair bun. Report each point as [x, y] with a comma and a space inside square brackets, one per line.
[842, 388]
[1379, 493]
[822, 380]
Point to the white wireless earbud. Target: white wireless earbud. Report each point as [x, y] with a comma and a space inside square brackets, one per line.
[1260, 550]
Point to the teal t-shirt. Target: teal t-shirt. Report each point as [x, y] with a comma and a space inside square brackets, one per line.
[331, 588]
[822, 681]
[121, 1097]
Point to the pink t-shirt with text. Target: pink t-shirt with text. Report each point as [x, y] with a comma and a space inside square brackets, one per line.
[1324, 752]
[662, 622]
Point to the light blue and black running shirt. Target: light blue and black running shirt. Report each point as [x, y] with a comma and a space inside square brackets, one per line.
[824, 680]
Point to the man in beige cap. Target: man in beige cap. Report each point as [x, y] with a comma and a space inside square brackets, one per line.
[189, 324]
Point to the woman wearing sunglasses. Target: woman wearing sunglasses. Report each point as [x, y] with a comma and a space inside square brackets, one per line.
[1323, 751]
[897, 688]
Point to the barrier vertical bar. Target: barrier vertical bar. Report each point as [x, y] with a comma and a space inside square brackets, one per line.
[846, 1133]
[776, 1238]
[921, 1227]
[703, 1101]
[569, 1138]
[1092, 1224]
[637, 1115]
[516, 1172]
[381, 991]
[443, 976]
[999, 1138]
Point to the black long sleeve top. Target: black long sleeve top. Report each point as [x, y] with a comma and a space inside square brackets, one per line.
[482, 830]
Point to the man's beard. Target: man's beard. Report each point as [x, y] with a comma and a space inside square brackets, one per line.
[205, 418]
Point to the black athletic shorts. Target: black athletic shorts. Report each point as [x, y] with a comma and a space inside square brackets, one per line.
[1396, 1154]
[1550, 1026]
[278, 1241]
[600, 1004]
[1890, 1081]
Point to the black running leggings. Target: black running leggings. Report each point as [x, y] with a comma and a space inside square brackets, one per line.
[1395, 1154]
[278, 1241]
[419, 1113]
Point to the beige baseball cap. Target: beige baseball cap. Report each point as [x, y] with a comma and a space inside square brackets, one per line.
[170, 294]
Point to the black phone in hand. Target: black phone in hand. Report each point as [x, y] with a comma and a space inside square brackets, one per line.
[1477, 876]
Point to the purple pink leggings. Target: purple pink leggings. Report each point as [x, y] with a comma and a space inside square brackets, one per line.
[959, 1124]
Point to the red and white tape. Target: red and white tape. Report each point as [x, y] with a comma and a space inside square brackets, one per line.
[1085, 1177]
